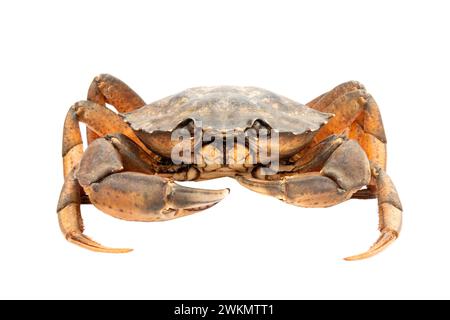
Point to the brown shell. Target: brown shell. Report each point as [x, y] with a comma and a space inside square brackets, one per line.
[225, 109]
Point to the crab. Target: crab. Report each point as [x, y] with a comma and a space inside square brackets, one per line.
[316, 155]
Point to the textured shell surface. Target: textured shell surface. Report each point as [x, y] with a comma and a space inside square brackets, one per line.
[226, 109]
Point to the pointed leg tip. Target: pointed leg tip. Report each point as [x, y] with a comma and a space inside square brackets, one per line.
[118, 250]
[103, 249]
[386, 238]
[87, 243]
[355, 258]
[361, 256]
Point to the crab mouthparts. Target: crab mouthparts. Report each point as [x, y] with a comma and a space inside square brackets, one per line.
[236, 150]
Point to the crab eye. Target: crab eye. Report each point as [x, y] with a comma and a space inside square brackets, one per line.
[261, 124]
[259, 129]
[188, 125]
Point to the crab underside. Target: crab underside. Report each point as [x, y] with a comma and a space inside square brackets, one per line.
[314, 155]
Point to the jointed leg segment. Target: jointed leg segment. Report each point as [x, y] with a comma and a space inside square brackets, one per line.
[344, 169]
[69, 217]
[123, 186]
[344, 172]
[357, 114]
[100, 120]
[117, 172]
[115, 189]
[106, 89]
[390, 213]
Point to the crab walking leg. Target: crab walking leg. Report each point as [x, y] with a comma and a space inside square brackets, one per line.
[346, 109]
[72, 143]
[136, 196]
[69, 217]
[390, 214]
[357, 115]
[357, 112]
[107, 89]
[99, 119]
[368, 130]
[346, 171]
[324, 100]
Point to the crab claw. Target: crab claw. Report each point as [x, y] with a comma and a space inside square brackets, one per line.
[193, 199]
[140, 197]
[72, 228]
[130, 196]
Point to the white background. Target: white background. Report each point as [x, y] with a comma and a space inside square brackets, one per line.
[249, 245]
